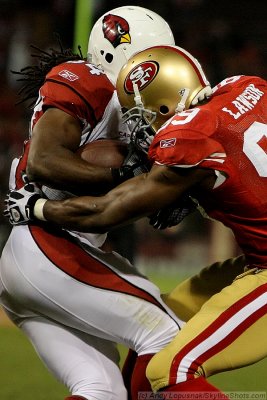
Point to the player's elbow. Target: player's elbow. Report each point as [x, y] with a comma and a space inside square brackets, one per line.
[37, 168]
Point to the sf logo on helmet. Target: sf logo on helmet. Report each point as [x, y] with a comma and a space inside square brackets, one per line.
[116, 30]
[142, 75]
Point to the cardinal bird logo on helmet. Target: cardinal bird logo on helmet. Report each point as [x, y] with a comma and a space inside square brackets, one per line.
[116, 30]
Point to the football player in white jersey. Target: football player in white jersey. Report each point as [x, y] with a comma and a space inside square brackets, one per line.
[71, 299]
[209, 143]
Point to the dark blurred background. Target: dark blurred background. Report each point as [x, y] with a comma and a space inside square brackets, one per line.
[228, 38]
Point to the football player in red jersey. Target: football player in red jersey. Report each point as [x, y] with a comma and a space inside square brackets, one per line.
[211, 147]
[71, 299]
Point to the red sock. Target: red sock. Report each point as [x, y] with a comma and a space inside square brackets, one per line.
[127, 370]
[75, 398]
[196, 385]
[140, 383]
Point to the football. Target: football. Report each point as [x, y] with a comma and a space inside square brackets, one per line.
[104, 153]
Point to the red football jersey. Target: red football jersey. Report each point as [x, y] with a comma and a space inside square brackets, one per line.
[83, 91]
[229, 135]
[79, 89]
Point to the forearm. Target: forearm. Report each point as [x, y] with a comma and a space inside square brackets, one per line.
[69, 172]
[122, 205]
[134, 199]
[81, 214]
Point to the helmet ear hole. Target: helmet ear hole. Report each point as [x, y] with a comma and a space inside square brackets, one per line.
[109, 58]
[164, 109]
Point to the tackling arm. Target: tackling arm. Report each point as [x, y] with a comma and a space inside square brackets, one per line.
[134, 199]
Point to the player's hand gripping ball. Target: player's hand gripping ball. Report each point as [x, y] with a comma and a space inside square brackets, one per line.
[125, 162]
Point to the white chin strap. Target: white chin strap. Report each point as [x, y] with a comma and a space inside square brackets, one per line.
[181, 105]
[89, 58]
[137, 96]
[203, 94]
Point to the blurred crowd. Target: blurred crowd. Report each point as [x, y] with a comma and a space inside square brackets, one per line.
[227, 37]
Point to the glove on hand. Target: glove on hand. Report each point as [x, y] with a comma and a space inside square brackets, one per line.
[172, 216]
[135, 163]
[19, 204]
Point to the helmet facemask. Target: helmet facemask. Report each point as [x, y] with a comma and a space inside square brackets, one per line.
[139, 121]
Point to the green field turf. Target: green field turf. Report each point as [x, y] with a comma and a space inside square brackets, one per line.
[23, 377]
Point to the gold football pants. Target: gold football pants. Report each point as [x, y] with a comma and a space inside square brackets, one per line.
[226, 331]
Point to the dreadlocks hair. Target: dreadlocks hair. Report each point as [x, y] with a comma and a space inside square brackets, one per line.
[34, 76]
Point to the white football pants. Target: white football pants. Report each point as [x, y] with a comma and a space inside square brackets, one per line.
[73, 324]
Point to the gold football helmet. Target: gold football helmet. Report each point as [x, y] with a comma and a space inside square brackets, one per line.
[155, 84]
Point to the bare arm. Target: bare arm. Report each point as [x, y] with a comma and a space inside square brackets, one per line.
[134, 199]
[52, 159]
